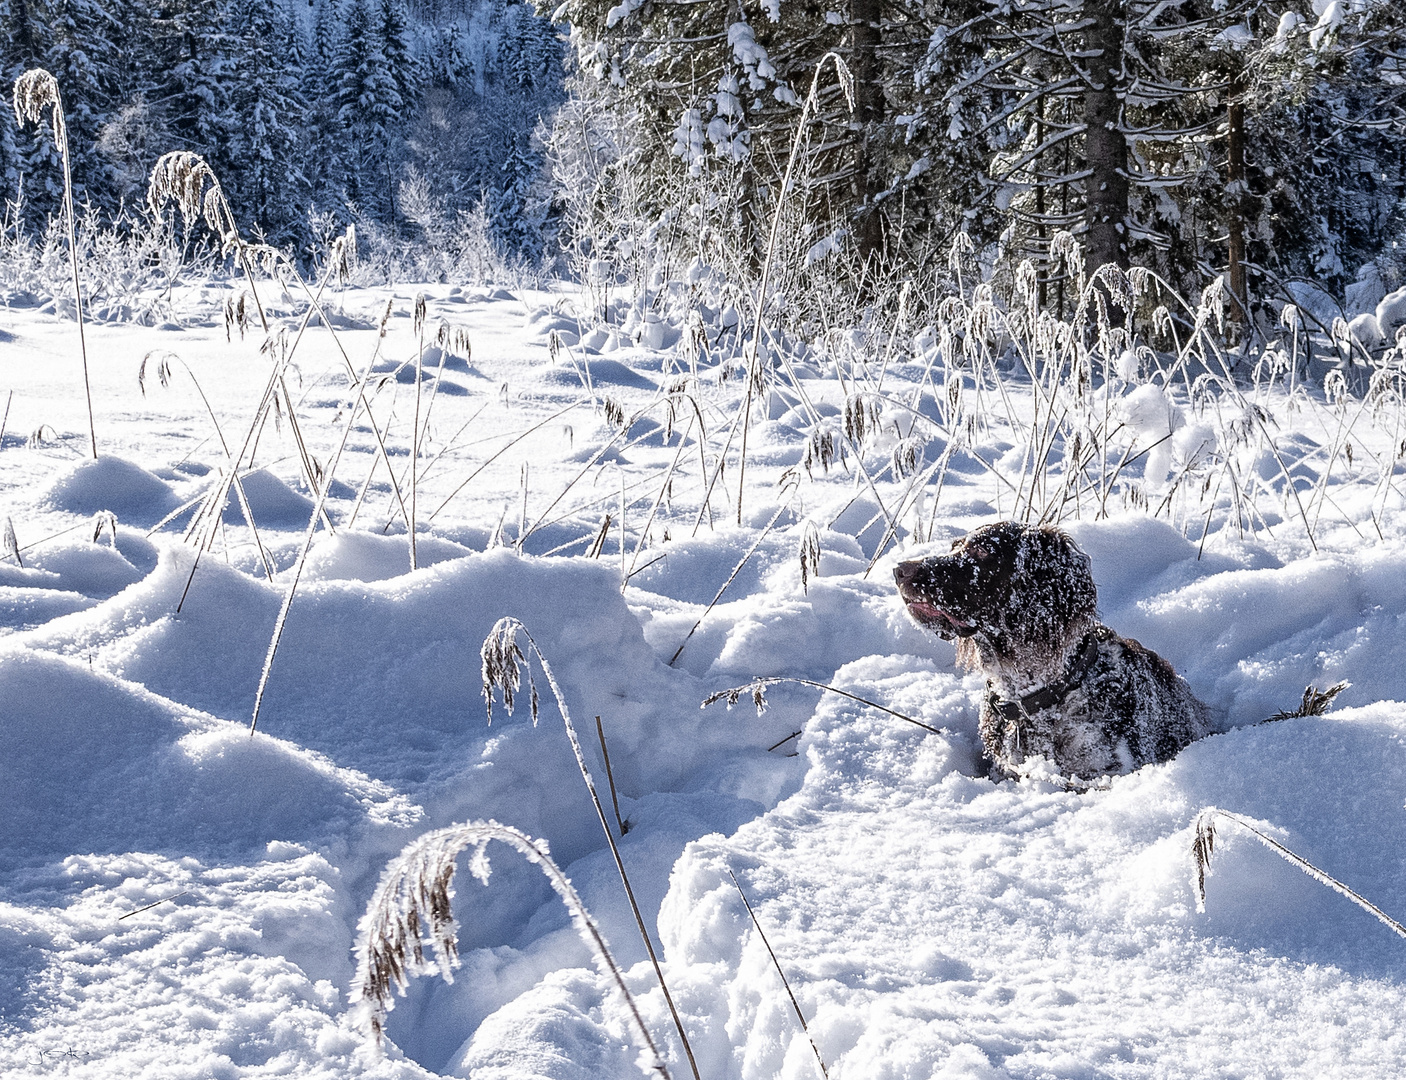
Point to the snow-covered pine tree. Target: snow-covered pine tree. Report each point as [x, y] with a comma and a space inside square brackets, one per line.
[267, 113]
[719, 83]
[446, 59]
[402, 64]
[368, 110]
[21, 46]
[191, 71]
[323, 131]
[1325, 143]
[83, 55]
[1157, 132]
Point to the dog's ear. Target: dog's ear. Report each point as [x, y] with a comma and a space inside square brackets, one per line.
[1053, 600]
[1077, 601]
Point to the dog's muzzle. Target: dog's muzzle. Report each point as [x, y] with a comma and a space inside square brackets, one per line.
[923, 611]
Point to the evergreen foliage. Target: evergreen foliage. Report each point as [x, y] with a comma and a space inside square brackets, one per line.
[310, 114]
[1203, 138]
[1161, 134]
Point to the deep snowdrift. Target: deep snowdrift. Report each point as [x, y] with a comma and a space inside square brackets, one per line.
[180, 899]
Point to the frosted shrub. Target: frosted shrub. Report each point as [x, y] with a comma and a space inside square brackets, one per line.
[460, 248]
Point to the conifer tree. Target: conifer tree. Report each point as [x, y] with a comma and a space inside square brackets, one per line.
[323, 131]
[401, 63]
[368, 108]
[267, 115]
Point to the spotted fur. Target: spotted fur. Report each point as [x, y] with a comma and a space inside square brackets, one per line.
[1020, 601]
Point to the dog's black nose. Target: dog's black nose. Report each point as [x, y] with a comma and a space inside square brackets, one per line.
[905, 572]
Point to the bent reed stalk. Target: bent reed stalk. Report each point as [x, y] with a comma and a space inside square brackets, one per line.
[414, 901]
[35, 91]
[1203, 845]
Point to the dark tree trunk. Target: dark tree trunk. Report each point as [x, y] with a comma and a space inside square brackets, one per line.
[1105, 146]
[1042, 246]
[1234, 203]
[868, 115]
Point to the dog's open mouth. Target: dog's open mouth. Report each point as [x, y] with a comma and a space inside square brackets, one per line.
[934, 617]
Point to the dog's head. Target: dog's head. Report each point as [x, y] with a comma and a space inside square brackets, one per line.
[1017, 595]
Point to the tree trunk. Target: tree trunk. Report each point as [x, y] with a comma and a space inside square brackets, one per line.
[868, 114]
[1042, 246]
[1105, 146]
[1234, 203]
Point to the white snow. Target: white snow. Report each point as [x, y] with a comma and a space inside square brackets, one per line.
[179, 898]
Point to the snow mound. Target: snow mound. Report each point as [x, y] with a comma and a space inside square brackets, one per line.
[154, 773]
[225, 971]
[272, 502]
[434, 356]
[893, 885]
[555, 1030]
[98, 569]
[604, 373]
[113, 484]
[364, 556]
[1391, 312]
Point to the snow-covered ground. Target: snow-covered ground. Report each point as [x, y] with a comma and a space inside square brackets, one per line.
[181, 899]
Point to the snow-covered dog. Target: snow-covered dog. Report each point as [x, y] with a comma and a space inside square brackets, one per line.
[1021, 602]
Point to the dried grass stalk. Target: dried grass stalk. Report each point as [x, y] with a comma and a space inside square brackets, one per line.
[35, 91]
[1315, 702]
[809, 554]
[12, 543]
[796, 1005]
[1204, 842]
[501, 657]
[754, 373]
[756, 690]
[412, 908]
[186, 178]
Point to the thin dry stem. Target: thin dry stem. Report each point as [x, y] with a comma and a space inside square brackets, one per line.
[35, 91]
[500, 654]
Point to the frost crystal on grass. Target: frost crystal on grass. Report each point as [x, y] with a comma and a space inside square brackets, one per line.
[187, 179]
[809, 554]
[12, 544]
[1315, 702]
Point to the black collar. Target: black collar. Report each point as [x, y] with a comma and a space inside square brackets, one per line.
[1054, 693]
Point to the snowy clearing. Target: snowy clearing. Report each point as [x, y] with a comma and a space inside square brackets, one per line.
[181, 899]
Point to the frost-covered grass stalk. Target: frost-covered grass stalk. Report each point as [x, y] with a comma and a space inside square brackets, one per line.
[353, 411]
[35, 91]
[1113, 393]
[756, 690]
[162, 369]
[781, 974]
[801, 137]
[412, 907]
[503, 660]
[1204, 842]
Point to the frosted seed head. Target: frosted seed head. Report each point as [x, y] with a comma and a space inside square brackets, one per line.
[187, 180]
[502, 667]
[809, 554]
[12, 544]
[35, 91]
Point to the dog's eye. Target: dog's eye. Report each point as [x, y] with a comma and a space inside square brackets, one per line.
[978, 552]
